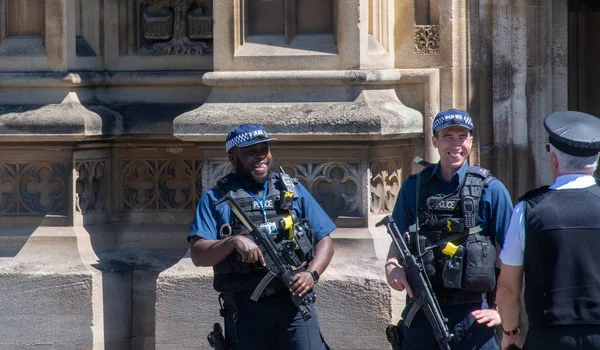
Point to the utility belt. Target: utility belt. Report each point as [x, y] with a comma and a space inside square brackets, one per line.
[241, 299]
[460, 298]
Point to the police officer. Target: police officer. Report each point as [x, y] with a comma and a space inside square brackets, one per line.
[218, 239]
[553, 238]
[450, 201]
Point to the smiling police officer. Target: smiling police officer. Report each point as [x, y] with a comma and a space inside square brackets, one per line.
[553, 238]
[453, 203]
[217, 238]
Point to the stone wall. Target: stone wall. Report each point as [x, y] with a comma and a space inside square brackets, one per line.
[112, 122]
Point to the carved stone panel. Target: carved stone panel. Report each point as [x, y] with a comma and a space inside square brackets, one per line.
[159, 184]
[25, 17]
[266, 17]
[32, 189]
[214, 170]
[335, 185]
[176, 27]
[386, 179]
[427, 39]
[91, 186]
[315, 16]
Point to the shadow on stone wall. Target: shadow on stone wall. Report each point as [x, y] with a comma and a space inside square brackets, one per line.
[130, 258]
[12, 240]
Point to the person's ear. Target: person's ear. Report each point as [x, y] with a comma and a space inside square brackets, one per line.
[231, 159]
[553, 162]
[434, 140]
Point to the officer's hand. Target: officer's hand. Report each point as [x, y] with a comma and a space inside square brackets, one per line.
[249, 251]
[396, 278]
[302, 283]
[490, 317]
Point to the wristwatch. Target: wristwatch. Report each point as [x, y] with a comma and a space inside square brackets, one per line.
[511, 333]
[314, 274]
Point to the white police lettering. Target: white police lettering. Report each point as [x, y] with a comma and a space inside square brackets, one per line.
[459, 117]
[447, 204]
[268, 205]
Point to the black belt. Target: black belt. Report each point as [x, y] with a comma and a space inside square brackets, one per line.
[241, 298]
[457, 299]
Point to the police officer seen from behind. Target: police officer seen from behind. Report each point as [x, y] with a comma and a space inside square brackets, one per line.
[553, 238]
[466, 206]
[218, 239]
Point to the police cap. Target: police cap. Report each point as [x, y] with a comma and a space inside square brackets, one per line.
[574, 133]
[452, 117]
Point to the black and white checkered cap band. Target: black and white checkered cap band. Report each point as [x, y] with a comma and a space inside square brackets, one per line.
[256, 134]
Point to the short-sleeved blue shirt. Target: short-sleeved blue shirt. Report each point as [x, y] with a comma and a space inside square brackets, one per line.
[208, 218]
[495, 207]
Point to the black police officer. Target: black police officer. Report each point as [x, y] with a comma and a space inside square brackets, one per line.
[553, 238]
[218, 239]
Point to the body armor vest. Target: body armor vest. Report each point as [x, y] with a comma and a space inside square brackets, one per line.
[562, 233]
[232, 275]
[458, 253]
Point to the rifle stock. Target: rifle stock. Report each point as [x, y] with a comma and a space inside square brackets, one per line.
[421, 287]
[278, 258]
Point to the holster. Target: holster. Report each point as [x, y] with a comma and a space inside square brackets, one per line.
[395, 336]
[216, 339]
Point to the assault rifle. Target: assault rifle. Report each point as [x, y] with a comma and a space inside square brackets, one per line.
[421, 287]
[279, 257]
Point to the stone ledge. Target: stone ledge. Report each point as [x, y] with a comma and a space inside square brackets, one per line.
[66, 121]
[310, 121]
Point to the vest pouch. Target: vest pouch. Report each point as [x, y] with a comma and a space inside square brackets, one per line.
[452, 272]
[479, 273]
[428, 258]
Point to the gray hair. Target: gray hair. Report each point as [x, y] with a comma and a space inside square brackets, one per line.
[572, 164]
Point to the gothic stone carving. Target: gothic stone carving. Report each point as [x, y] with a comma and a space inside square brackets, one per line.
[336, 186]
[181, 22]
[385, 185]
[216, 169]
[91, 186]
[160, 184]
[427, 39]
[32, 189]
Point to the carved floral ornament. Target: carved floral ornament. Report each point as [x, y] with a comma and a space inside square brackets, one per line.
[91, 186]
[178, 27]
[385, 185]
[32, 189]
[160, 184]
[427, 39]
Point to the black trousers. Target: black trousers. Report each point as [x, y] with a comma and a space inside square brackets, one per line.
[273, 323]
[576, 337]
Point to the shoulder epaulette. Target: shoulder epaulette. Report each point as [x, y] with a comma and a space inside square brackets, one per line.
[534, 193]
[484, 173]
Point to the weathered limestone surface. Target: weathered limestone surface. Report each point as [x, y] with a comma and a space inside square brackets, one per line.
[112, 123]
[353, 301]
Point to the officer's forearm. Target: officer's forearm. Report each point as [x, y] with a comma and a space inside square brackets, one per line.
[323, 255]
[393, 255]
[210, 252]
[508, 296]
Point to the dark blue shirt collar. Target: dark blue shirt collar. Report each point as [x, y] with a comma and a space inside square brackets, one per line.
[458, 176]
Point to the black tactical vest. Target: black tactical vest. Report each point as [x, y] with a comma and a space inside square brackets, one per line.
[231, 275]
[561, 259]
[453, 218]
